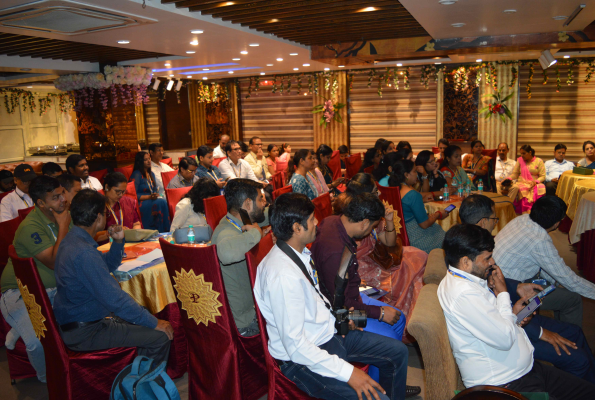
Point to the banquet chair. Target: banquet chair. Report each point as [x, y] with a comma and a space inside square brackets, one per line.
[222, 363]
[131, 192]
[278, 180]
[216, 161]
[215, 210]
[168, 161]
[2, 195]
[369, 170]
[192, 156]
[100, 175]
[279, 192]
[24, 212]
[392, 195]
[127, 171]
[334, 164]
[258, 253]
[167, 177]
[353, 164]
[487, 392]
[282, 166]
[323, 207]
[173, 196]
[70, 375]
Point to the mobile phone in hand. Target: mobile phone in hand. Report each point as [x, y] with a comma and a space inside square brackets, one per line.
[245, 217]
[528, 310]
[450, 208]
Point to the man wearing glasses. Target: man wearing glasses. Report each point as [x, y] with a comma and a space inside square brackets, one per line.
[567, 349]
[186, 174]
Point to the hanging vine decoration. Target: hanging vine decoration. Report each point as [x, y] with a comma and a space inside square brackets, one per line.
[371, 77]
[486, 74]
[530, 80]
[316, 85]
[334, 86]
[406, 78]
[515, 75]
[299, 84]
[544, 77]
[387, 77]
[380, 79]
[589, 72]
[274, 85]
[478, 78]
[327, 81]
[215, 92]
[13, 96]
[257, 84]
[309, 83]
[396, 78]
[250, 88]
[558, 80]
[570, 80]
[494, 74]
[288, 88]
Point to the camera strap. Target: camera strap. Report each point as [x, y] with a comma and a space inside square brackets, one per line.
[289, 252]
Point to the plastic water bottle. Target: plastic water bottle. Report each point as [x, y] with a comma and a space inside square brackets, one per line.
[445, 193]
[460, 191]
[480, 186]
[191, 234]
[467, 190]
[455, 187]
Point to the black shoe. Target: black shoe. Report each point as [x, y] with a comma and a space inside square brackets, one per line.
[411, 391]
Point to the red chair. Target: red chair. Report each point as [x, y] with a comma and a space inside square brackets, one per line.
[278, 180]
[168, 161]
[279, 192]
[216, 161]
[335, 164]
[131, 192]
[215, 210]
[173, 196]
[180, 158]
[167, 177]
[222, 364]
[369, 169]
[24, 212]
[2, 195]
[70, 375]
[281, 165]
[100, 175]
[323, 206]
[127, 171]
[353, 164]
[393, 196]
[435, 150]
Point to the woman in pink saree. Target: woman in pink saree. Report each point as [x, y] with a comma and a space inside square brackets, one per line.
[529, 173]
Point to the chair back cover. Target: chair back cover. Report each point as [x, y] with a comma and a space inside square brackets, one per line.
[335, 164]
[7, 232]
[353, 164]
[279, 192]
[369, 170]
[281, 165]
[259, 252]
[215, 209]
[223, 364]
[393, 196]
[168, 161]
[127, 171]
[167, 177]
[435, 150]
[100, 175]
[173, 196]
[24, 212]
[131, 192]
[323, 206]
[278, 180]
[216, 161]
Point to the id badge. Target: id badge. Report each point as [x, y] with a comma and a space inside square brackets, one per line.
[541, 282]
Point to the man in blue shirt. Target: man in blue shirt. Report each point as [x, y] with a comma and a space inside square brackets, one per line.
[554, 168]
[87, 295]
[206, 169]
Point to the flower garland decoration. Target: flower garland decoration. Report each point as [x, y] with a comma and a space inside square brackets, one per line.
[379, 90]
[544, 77]
[515, 75]
[497, 107]
[558, 81]
[330, 112]
[530, 80]
[570, 80]
[589, 72]
[299, 84]
[370, 77]
[396, 78]
[406, 77]
[494, 76]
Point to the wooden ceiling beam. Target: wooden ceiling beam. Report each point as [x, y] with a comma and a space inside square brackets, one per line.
[348, 37]
[334, 23]
[346, 30]
[321, 17]
[210, 5]
[4, 49]
[296, 23]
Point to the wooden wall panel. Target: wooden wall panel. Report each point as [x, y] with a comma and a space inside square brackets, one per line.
[152, 120]
[335, 134]
[139, 113]
[548, 118]
[198, 117]
[397, 115]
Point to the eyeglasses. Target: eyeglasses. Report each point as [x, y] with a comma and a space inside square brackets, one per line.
[495, 218]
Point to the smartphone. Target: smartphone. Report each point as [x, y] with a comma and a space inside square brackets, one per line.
[544, 292]
[245, 217]
[529, 309]
[450, 208]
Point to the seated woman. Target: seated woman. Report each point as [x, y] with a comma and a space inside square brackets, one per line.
[589, 160]
[405, 154]
[529, 174]
[431, 178]
[403, 144]
[388, 147]
[273, 151]
[422, 230]
[451, 168]
[385, 167]
[476, 165]
[303, 160]
[120, 209]
[153, 209]
[371, 158]
[191, 210]
[403, 280]
[323, 155]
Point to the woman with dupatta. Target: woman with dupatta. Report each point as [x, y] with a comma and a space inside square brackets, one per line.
[476, 165]
[589, 160]
[452, 170]
[529, 174]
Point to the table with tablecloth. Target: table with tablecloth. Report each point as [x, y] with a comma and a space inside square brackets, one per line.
[582, 233]
[504, 211]
[580, 188]
[566, 184]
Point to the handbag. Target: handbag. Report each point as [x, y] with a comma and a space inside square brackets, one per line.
[144, 380]
[387, 256]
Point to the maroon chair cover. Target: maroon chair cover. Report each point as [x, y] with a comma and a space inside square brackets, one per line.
[278, 180]
[167, 177]
[585, 251]
[435, 150]
[2, 195]
[70, 375]
[177, 363]
[131, 192]
[393, 196]
[281, 166]
[279, 192]
[216, 161]
[222, 364]
[173, 196]
[353, 164]
[168, 161]
[565, 225]
[100, 175]
[127, 171]
[323, 206]
[215, 209]
[335, 164]
[7, 232]
[24, 212]
[369, 169]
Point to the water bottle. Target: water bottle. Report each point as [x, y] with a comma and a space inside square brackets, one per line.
[455, 187]
[467, 190]
[460, 191]
[480, 186]
[190, 234]
[445, 193]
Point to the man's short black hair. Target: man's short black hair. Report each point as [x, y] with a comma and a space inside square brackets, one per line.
[343, 149]
[238, 190]
[73, 160]
[186, 162]
[476, 207]
[231, 143]
[50, 168]
[288, 209]
[364, 206]
[379, 143]
[560, 146]
[252, 139]
[85, 206]
[154, 146]
[41, 186]
[202, 151]
[114, 179]
[244, 147]
[547, 211]
[466, 240]
[67, 181]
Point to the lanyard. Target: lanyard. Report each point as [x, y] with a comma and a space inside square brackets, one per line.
[234, 169]
[455, 274]
[374, 234]
[150, 183]
[231, 221]
[121, 222]
[314, 177]
[22, 198]
[212, 175]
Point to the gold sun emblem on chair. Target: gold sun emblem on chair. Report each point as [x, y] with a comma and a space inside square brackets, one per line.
[396, 218]
[197, 297]
[34, 310]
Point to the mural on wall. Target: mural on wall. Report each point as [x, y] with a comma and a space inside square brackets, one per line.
[460, 111]
[218, 119]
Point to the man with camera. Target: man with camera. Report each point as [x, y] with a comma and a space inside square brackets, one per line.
[300, 321]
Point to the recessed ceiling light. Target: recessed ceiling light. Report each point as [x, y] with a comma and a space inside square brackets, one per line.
[196, 32]
[243, 52]
[262, 73]
[194, 43]
[447, 2]
[293, 54]
[205, 78]
[205, 69]
[296, 69]
[235, 59]
[274, 20]
[189, 76]
[190, 52]
[167, 64]
[368, 9]
[399, 65]
[123, 41]
[479, 60]
[279, 59]
[458, 25]
[437, 63]
[229, 3]
[341, 66]
[29, 87]
[560, 17]
[171, 75]
[305, 65]
[566, 56]
[269, 65]
[253, 45]
[511, 11]
[326, 69]
[230, 72]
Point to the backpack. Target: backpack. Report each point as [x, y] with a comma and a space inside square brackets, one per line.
[141, 380]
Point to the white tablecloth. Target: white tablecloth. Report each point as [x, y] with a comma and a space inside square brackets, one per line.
[584, 218]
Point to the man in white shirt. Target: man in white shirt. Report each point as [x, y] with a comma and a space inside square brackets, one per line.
[504, 167]
[525, 251]
[76, 165]
[157, 167]
[257, 161]
[234, 166]
[300, 323]
[219, 151]
[554, 168]
[19, 199]
[490, 348]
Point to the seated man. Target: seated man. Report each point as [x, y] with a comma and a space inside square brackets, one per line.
[6, 181]
[525, 251]
[546, 335]
[257, 160]
[206, 169]
[38, 236]
[301, 326]
[554, 168]
[219, 151]
[71, 184]
[19, 199]
[186, 174]
[233, 239]
[158, 167]
[504, 167]
[51, 169]
[94, 313]
[76, 165]
[488, 345]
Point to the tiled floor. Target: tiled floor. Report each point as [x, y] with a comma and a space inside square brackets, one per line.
[31, 389]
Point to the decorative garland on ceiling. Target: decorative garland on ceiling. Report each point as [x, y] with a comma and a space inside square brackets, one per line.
[283, 83]
[13, 96]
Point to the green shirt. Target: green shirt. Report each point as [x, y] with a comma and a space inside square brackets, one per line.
[34, 235]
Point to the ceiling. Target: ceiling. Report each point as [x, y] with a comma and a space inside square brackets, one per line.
[312, 22]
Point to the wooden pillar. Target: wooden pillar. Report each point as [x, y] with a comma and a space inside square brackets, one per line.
[335, 134]
[139, 112]
[198, 117]
[234, 115]
[439, 107]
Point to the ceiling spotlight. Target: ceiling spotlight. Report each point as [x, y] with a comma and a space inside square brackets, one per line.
[341, 66]
[190, 52]
[560, 17]
[437, 63]
[269, 65]
[447, 2]
[305, 65]
[253, 45]
[546, 59]
[171, 75]
[123, 41]
[194, 43]
[167, 64]
[29, 87]
[235, 59]
[196, 32]
[399, 65]
[230, 72]
[574, 14]
[458, 25]
[205, 69]
[279, 59]
[189, 76]
[262, 73]
[156, 84]
[178, 86]
[479, 60]
[293, 54]
[326, 69]
[243, 52]
[567, 56]
[229, 3]
[205, 78]
[296, 69]
[170, 84]
[367, 9]
[510, 11]
[274, 20]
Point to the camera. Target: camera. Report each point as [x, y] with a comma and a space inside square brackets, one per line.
[342, 316]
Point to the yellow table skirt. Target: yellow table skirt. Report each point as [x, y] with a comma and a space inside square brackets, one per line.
[566, 183]
[578, 191]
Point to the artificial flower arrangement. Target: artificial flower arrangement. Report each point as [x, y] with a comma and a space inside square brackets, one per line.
[497, 107]
[329, 112]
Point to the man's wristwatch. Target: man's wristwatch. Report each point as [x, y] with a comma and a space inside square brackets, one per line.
[424, 177]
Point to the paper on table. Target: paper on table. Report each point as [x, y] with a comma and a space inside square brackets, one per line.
[130, 265]
[155, 254]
